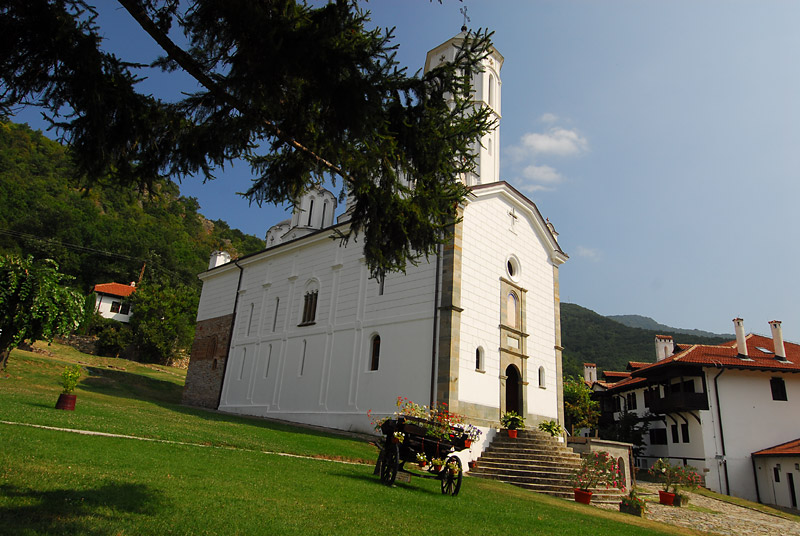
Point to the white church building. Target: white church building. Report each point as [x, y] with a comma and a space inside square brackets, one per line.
[300, 332]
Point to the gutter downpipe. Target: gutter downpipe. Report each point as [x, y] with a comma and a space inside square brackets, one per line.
[434, 345]
[755, 478]
[721, 432]
[230, 333]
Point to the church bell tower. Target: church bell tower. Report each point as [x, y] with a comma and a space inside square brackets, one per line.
[486, 86]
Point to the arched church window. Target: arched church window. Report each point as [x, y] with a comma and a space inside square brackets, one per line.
[491, 90]
[541, 377]
[511, 310]
[310, 303]
[479, 366]
[375, 352]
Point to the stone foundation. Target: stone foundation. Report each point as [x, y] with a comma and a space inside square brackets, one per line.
[207, 362]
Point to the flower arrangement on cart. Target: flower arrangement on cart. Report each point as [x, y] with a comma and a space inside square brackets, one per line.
[428, 437]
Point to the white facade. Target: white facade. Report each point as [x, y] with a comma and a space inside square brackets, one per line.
[112, 307]
[728, 409]
[440, 333]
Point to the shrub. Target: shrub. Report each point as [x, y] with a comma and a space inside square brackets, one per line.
[598, 469]
[70, 377]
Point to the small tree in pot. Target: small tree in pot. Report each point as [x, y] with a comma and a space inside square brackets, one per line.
[69, 380]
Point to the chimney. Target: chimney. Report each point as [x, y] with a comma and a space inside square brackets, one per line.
[777, 339]
[741, 344]
[590, 372]
[218, 258]
[665, 347]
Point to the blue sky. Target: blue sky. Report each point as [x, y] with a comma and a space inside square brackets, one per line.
[661, 138]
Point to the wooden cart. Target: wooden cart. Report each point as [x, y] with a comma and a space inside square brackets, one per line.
[418, 440]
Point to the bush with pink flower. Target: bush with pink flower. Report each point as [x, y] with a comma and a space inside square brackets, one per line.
[599, 469]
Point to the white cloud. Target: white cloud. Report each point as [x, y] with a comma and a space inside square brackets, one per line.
[548, 118]
[542, 174]
[556, 141]
[587, 253]
[525, 157]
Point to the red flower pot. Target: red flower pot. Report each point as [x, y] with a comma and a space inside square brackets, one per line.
[581, 496]
[664, 497]
[66, 402]
[512, 434]
[467, 443]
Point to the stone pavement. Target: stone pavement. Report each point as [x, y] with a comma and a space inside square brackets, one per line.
[727, 519]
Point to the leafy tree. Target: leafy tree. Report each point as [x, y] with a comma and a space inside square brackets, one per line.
[629, 428]
[162, 320]
[580, 411]
[34, 304]
[302, 93]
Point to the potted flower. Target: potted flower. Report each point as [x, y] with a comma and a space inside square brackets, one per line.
[469, 433]
[437, 464]
[669, 475]
[633, 504]
[551, 427]
[453, 467]
[422, 461]
[597, 469]
[69, 380]
[473, 464]
[688, 479]
[398, 437]
[512, 421]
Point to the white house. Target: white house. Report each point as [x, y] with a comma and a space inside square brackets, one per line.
[111, 300]
[301, 332]
[778, 474]
[713, 406]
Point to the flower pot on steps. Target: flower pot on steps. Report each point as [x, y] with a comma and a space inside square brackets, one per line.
[512, 434]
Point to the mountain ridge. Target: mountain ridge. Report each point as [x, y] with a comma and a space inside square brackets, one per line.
[646, 322]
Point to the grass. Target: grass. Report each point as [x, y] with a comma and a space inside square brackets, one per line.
[218, 481]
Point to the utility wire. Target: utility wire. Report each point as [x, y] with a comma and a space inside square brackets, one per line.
[77, 247]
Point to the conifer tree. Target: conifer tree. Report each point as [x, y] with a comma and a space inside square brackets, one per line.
[302, 93]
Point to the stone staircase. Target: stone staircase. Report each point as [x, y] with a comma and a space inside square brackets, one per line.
[537, 462]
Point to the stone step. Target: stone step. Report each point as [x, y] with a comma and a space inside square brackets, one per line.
[488, 466]
[537, 462]
[573, 460]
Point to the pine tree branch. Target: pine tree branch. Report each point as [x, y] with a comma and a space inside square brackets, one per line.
[187, 63]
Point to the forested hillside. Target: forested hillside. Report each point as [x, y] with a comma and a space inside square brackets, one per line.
[588, 337]
[101, 234]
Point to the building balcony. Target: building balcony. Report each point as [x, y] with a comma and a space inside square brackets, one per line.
[675, 402]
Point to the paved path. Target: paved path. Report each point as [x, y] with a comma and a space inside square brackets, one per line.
[726, 519]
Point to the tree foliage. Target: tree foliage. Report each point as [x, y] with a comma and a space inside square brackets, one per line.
[34, 302]
[629, 428]
[301, 92]
[580, 411]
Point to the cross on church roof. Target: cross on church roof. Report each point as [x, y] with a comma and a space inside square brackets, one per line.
[463, 11]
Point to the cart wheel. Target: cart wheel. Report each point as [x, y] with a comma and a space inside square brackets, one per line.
[451, 484]
[389, 463]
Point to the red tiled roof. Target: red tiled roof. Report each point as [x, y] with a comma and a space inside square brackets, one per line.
[589, 365]
[727, 355]
[664, 336]
[635, 365]
[790, 448]
[615, 374]
[626, 383]
[115, 289]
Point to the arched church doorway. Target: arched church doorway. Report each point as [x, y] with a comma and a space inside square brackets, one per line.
[513, 389]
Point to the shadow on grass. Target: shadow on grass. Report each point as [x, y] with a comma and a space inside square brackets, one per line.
[130, 385]
[415, 486]
[67, 511]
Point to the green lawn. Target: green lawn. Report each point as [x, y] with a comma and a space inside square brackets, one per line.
[54, 482]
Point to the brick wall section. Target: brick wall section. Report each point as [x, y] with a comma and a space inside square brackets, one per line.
[207, 363]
